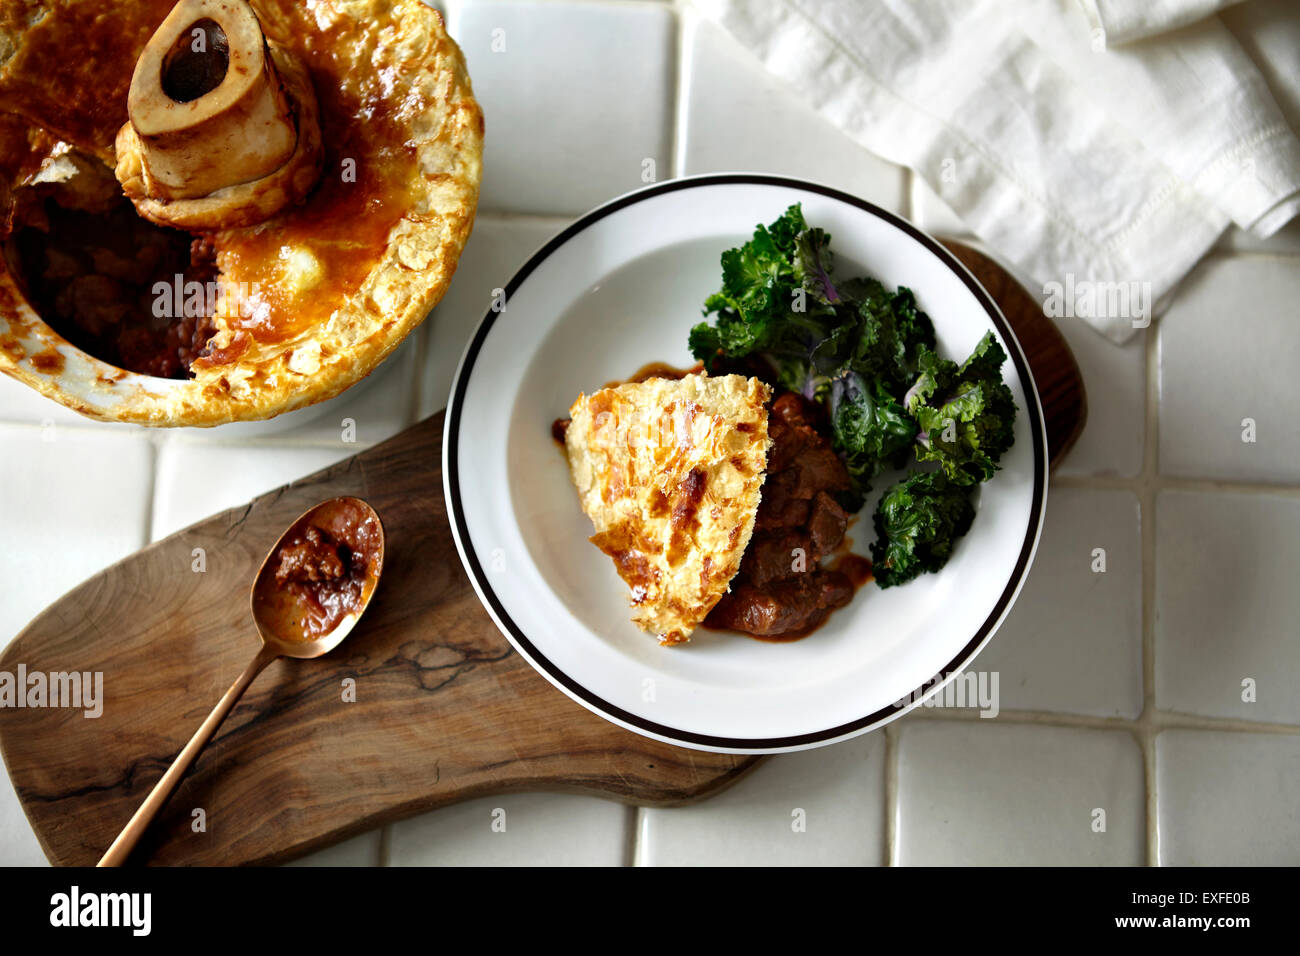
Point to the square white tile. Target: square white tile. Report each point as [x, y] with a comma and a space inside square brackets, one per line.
[1227, 605]
[739, 118]
[931, 213]
[61, 527]
[992, 793]
[1073, 640]
[1228, 388]
[18, 843]
[198, 479]
[361, 850]
[822, 807]
[498, 247]
[78, 500]
[577, 99]
[1114, 382]
[1227, 799]
[516, 829]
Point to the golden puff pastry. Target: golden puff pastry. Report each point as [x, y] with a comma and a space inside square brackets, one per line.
[670, 472]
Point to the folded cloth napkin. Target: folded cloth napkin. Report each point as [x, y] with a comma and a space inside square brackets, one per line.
[1122, 21]
[1102, 146]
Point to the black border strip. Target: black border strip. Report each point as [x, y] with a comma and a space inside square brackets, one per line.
[673, 733]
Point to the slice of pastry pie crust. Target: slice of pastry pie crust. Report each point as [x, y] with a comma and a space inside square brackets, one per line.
[670, 472]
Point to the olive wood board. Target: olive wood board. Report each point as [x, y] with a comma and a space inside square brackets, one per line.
[444, 708]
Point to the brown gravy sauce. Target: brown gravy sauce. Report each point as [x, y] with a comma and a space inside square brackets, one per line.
[646, 372]
[323, 570]
[656, 370]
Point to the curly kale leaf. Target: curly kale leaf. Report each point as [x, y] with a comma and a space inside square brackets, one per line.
[781, 301]
[755, 307]
[814, 250]
[870, 356]
[871, 430]
[935, 375]
[917, 522]
[891, 332]
[966, 415]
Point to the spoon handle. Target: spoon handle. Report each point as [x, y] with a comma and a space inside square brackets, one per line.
[164, 788]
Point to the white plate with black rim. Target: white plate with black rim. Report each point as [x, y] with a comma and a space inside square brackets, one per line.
[620, 288]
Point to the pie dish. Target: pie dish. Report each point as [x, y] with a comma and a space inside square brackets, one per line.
[623, 286]
[253, 298]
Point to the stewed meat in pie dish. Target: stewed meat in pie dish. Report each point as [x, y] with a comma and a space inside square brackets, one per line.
[217, 210]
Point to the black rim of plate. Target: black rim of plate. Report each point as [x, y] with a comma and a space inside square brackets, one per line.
[599, 704]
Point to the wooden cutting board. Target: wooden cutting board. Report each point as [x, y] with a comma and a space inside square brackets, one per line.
[442, 707]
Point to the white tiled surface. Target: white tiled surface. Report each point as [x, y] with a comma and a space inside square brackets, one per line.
[496, 249]
[1073, 641]
[228, 474]
[59, 529]
[528, 829]
[573, 117]
[1013, 794]
[1227, 605]
[1109, 683]
[363, 850]
[931, 213]
[725, 97]
[1228, 799]
[820, 806]
[1247, 307]
[1112, 443]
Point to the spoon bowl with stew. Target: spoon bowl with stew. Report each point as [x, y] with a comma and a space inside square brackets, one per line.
[311, 590]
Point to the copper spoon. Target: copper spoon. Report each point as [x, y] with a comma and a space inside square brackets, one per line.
[283, 635]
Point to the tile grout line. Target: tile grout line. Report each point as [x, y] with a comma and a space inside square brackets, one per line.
[422, 346]
[677, 129]
[632, 837]
[1157, 720]
[1159, 483]
[891, 793]
[1148, 720]
[151, 499]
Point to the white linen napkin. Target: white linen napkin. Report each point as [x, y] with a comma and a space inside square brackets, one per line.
[1103, 171]
[1122, 21]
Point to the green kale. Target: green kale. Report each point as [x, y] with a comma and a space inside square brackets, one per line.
[869, 356]
[934, 375]
[966, 415]
[891, 332]
[917, 522]
[870, 430]
[781, 302]
[762, 287]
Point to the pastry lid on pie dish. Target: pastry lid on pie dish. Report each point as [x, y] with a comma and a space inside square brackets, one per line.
[298, 306]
